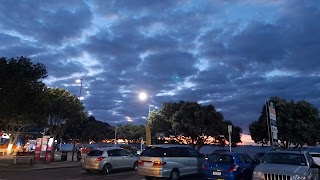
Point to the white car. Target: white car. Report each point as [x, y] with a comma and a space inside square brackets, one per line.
[315, 157]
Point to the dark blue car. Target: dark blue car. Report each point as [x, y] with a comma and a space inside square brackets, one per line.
[231, 166]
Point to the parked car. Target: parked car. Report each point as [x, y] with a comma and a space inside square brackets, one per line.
[258, 156]
[286, 165]
[315, 157]
[169, 161]
[228, 166]
[109, 158]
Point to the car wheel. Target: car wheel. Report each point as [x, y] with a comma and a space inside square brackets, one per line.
[89, 171]
[106, 169]
[148, 177]
[175, 175]
[135, 166]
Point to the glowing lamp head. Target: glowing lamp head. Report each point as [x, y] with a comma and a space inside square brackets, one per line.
[78, 80]
[142, 96]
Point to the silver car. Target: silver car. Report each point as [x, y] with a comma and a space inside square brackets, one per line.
[169, 161]
[286, 165]
[109, 158]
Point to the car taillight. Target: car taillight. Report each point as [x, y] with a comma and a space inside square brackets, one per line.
[158, 163]
[140, 163]
[99, 159]
[204, 167]
[233, 168]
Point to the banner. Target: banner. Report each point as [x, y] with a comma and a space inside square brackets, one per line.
[38, 149]
[272, 124]
[49, 149]
[148, 135]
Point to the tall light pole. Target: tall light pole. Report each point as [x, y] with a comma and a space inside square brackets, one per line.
[80, 81]
[143, 97]
[230, 131]
[74, 141]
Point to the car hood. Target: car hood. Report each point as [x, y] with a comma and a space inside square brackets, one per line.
[284, 169]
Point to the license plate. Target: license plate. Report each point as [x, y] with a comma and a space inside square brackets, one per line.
[216, 173]
[148, 164]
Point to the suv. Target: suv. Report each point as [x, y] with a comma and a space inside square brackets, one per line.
[169, 161]
[286, 165]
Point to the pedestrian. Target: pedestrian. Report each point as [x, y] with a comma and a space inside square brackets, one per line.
[78, 155]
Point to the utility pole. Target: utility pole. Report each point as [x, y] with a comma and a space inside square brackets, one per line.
[230, 131]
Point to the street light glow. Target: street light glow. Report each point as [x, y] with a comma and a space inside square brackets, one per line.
[78, 80]
[142, 96]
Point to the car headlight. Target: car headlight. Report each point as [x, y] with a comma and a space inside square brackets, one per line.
[257, 174]
[298, 177]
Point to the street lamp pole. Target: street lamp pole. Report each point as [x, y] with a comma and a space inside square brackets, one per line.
[74, 141]
[143, 97]
[80, 88]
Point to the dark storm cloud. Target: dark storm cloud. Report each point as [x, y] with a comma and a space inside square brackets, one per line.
[49, 22]
[234, 55]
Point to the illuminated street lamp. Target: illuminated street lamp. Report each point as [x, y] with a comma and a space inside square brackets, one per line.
[143, 96]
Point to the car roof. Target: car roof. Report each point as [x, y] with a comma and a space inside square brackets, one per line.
[169, 145]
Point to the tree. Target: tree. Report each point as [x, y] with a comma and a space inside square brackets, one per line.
[259, 130]
[96, 130]
[298, 124]
[21, 93]
[131, 132]
[62, 108]
[189, 119]
[235, 135]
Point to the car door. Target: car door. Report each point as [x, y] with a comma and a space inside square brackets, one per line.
[114, 158]
[127, 159]
[195, 160]
[183, 161]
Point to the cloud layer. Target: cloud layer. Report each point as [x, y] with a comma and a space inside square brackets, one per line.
[234, 55]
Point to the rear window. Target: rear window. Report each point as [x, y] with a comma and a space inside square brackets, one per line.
[157, 152]
[95, 153]
[221, 158]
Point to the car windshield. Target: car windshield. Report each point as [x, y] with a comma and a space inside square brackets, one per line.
[221, 158]
[285, 158]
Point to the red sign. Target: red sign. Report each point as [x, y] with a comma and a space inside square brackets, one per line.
[38, 148]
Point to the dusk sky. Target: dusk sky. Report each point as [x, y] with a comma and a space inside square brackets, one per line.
[232, 54]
